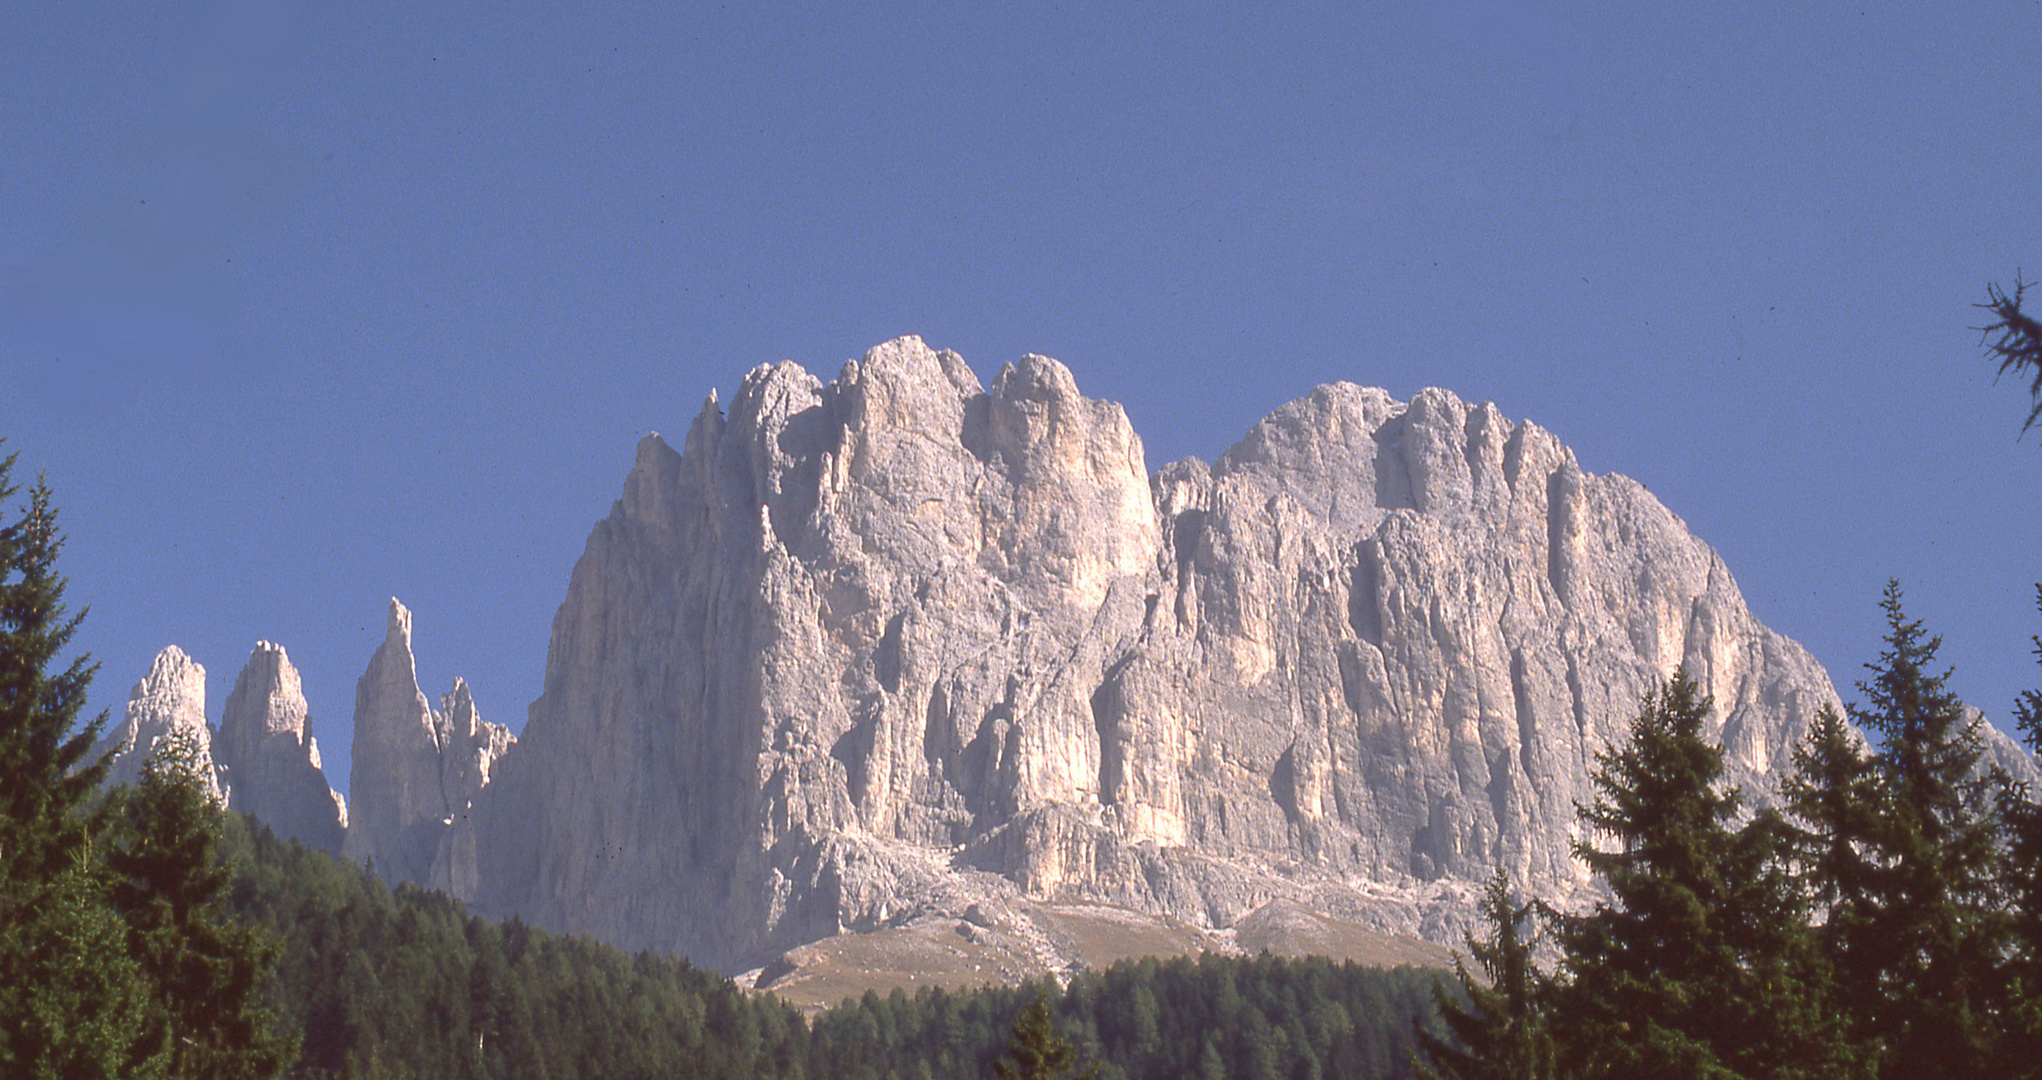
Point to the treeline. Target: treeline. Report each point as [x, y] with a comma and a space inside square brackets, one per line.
[1885, 921]
[405, 983]
[1211, 1017]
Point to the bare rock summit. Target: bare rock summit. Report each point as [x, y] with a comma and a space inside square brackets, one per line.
[270, 758]
[170, 697]
[469, 749]
[874, 650]
[415, 769]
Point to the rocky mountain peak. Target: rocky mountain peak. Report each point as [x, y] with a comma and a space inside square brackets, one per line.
[270, 701]
[458, 718]
[170, 697]
[397, 630]
[873, 653]
[416, 769]
[174, 678]
[270, 757]
[901, 641]
[469, 747]
[398, 808]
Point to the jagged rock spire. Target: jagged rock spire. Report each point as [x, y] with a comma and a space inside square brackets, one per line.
[415, 769]
[469, 746]
[398, 809]
[170, 697]
[271, 759]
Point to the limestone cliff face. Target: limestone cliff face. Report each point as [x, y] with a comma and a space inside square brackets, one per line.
[270, 758]
[171, 697]
[414, 769]
[880, 646]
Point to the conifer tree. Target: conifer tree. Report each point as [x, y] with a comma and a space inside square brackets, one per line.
[1924, 936]
[45, 824]
[1834, 792]
[1836, 798]
[207, 970]
[2020, 1043]
[2015, 340]
[1503, 1033]
[70, 998]
[1037, 1052]
[1703, 965]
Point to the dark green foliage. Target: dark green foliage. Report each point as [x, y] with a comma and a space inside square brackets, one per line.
[207, 1016]
[406, 983]
[1260, 1017]
[1921, 930]
[44, 818]
[71, 1000]
[2028, 708]
[1892, 927]
[1036, 1052]
[2015, 340]
[2020, 1051]
[1503, 1030]
[1835, 795]
[1703, 965]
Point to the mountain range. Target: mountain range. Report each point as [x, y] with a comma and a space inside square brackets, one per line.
[906, 655]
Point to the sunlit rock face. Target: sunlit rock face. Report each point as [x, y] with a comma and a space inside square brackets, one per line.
[270, 758]
[469, 748]
[170, 698]
[884, 645]
[414, 770]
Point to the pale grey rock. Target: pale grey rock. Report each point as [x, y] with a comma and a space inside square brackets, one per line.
[399, 809]
[469, 748]
[170, 698]
[415, 769]
[884, 647]
[2004, 753]
[270, 758]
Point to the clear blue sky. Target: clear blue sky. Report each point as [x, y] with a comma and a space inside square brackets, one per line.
[304, 309]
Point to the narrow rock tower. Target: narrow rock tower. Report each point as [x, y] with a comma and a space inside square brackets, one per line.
[398, 808]
[270, 758]
[415, 770]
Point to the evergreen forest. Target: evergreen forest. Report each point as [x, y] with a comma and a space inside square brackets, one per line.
[404, 982]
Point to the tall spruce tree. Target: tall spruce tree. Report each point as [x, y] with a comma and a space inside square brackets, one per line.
[1837, 800]
[1923, 932]
[71, 1000]
[1702, 966]
[2020, 1045]
[207, 970]
[1504, 1030]
[1036, 1052]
